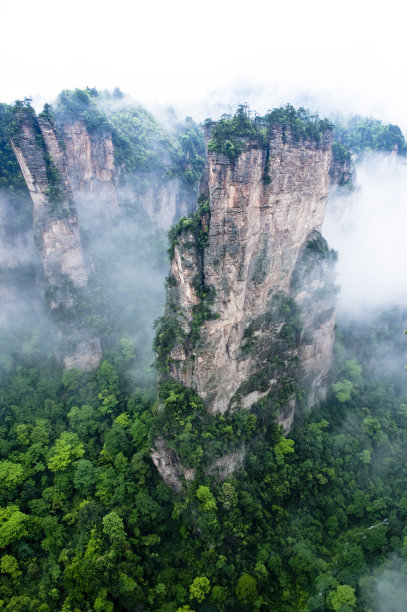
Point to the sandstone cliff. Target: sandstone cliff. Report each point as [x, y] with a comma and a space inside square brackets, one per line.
[250, 294]
[250, 312]
[91, 169]
[43, 164]
[256, 233]
[104, 189]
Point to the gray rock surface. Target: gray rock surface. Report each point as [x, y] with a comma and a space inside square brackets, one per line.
[257, 231]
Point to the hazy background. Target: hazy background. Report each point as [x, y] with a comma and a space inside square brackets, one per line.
[332, 54]
[368, 228]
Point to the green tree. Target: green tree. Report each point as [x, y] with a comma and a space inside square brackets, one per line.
[200, 588]
[343, 596]
[206, 498]
[67, 449]
[343, 390]
[246, 589]
[11, 474]
[12, 525]
[113, 527]
[9, 565]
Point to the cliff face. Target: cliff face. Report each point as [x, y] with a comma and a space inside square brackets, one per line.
[163, 202]
[75, 182]
[54, 214]
[56, 231]
[101, 188]
[91, 168]
[259, 274]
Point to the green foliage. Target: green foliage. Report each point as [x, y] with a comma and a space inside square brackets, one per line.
[319, 245]
[11, 177]
[193, 433]
[12, 525]
[301, 123]
[68, 448]
[231, 133]
[188, 156]
[138, 139]
[343, 596]
[284, 447]
[341, 154]
[206, 498]
[246, 590]
[81, 104]
[168, 334]
[9, 565]
[343, 390]
[13, 189]
[197, 223]
[85, 517]
[54, 193]
[360, 134]
[200, 588]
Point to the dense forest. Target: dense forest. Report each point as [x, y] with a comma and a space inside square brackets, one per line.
[315, 520]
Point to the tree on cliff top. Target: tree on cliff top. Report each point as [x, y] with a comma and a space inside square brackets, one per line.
[230, 132]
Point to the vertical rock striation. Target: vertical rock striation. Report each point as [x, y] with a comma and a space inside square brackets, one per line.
[91, 169]
[250, 297]
[101, 188]
[43, 164]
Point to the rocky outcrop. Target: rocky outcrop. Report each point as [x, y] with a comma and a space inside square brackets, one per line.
[43, 163]
[86, 356]
[70, 171]
[102, 189]
[250, 297]
[55, 220]
[314, 290]
[175, 475]
[91, 168]
[227, 465]
[169, 466]
[342, 171]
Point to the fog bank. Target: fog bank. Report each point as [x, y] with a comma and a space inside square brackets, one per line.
[367, 228]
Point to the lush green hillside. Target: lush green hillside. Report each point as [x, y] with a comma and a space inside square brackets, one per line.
[86, 524]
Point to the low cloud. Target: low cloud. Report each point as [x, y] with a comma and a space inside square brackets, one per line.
[368, 229]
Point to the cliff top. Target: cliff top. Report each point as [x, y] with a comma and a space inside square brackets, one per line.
[231, 134]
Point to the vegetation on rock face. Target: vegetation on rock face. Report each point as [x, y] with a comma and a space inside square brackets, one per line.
[141, 144]
[194, 223]
[170, 327]
[81, 104]
[55, 192]
[13, 189]
[230, 133]
[11, 177]
[197, 436]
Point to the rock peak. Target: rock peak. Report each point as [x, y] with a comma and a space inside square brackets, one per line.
[250, 294]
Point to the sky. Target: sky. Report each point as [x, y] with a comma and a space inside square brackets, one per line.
[330, 55]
